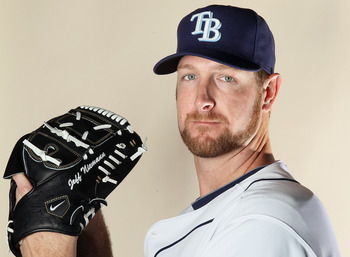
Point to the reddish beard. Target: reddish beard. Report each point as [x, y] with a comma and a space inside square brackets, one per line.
[205, 146]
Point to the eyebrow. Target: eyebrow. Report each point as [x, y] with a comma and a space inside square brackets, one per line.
[184, 66]
[218, 66]
[223, 67]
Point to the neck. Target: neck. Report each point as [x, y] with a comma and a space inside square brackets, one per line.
[214, 173]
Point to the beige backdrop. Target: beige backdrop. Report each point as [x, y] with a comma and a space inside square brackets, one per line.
[56, 55]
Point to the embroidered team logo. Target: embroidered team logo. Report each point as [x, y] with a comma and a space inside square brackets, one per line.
[207, 26]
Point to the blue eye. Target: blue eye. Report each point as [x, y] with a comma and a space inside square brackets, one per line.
[227, 78]
[190, 77]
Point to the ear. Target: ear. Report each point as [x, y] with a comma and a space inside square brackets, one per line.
[271, 88]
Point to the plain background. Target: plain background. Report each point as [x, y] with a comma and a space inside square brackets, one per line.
[56, 55]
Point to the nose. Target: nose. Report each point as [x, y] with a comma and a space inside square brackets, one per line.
[204, 100]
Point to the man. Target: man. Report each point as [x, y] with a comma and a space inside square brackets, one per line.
[249, 204]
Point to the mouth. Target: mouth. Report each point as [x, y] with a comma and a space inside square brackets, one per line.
[205, 122]
[205, 125]
[208, 118]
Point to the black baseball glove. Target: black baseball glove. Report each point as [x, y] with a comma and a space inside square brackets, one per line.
[74, 161]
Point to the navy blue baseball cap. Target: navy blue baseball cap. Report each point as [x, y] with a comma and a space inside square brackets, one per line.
[229, 35]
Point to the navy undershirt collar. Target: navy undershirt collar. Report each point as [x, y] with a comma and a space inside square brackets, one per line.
[200, 202]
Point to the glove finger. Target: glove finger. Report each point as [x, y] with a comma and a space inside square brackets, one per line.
[15, 163]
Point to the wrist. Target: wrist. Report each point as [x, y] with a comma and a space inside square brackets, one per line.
[42, 244]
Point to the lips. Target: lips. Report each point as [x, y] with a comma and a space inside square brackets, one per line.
[205, 122]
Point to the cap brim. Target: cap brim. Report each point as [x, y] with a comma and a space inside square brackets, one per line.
[169, 64]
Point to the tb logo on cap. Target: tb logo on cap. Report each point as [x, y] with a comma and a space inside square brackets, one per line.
[210, 25]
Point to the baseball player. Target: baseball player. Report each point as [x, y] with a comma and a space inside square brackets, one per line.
[249, 203]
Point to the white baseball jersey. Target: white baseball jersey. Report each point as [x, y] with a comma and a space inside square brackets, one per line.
[264, 213]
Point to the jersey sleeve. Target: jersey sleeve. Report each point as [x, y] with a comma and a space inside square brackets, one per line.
[256, 236]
